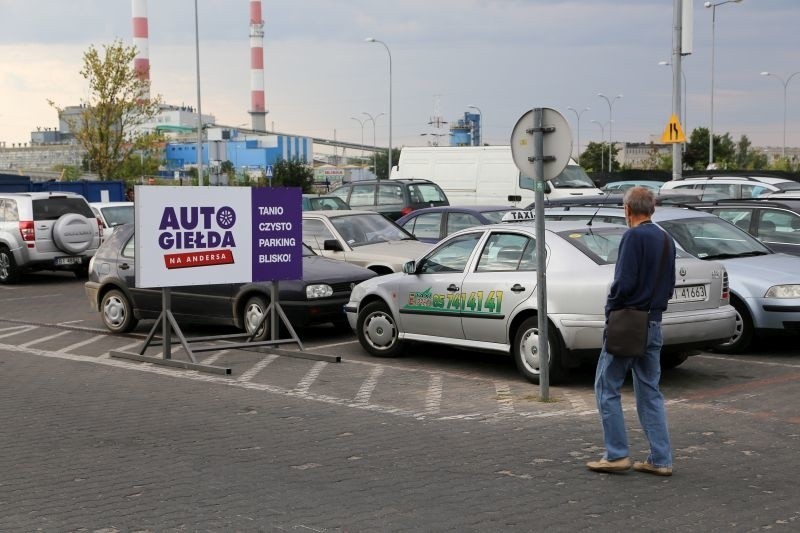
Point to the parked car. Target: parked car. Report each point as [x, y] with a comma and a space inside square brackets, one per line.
[319, 202]
[112, 214]
[624, 185]
[46, 231]
[773, 221]
[477, 290]
[363, 238]
[315, 299]
[392, 198]
[765, 286]
[733, 186]
[433, 224]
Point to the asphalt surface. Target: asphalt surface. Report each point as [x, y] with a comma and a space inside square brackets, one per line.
[438, 440]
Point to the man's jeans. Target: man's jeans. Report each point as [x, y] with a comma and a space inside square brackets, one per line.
[611, 372]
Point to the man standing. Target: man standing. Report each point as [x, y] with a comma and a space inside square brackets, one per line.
[644, 278]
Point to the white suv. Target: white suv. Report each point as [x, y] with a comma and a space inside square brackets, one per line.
[725, 187]
[46, 231]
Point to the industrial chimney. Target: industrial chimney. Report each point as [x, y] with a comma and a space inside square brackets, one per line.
[141, 63]
[258, 110]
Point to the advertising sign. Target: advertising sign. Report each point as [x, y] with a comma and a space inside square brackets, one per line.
[205, 236]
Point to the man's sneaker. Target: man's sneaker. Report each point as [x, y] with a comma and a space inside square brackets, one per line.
[604, 465]
[650, 468]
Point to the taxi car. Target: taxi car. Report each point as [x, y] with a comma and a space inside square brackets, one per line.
[764, 285]
[477, 290]
[364, 238]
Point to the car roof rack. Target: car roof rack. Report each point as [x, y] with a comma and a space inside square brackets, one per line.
[720, 177]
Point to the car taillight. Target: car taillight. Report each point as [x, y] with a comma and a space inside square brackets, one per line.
[27, 231]
[726, 293]
[405, 211]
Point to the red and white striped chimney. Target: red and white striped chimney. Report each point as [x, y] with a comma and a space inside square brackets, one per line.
[141, 63]
[258, 109]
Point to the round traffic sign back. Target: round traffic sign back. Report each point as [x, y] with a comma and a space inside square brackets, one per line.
[557, 144]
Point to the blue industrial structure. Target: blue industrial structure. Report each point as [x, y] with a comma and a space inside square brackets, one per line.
[244, 151]
[467, 131]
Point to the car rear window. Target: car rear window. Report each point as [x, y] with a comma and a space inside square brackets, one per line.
[427, 192]
[54, 207]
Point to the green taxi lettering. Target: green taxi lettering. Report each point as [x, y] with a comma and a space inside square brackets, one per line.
[474, 301]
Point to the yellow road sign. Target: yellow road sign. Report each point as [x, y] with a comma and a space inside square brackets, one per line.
[673, 133]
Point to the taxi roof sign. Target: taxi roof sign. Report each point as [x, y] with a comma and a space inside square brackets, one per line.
[673, 133]
[518, 216]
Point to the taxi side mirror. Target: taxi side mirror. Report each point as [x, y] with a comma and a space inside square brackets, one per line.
[410, 267]
[332, 245]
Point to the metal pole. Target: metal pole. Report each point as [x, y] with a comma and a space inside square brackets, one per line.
[541, 279]
[677, 30]
[602, 140]
[785, 104]
[361, 123]
[610, 103]
[389, 155]
[711, 128]
[374, 143]
[199, 111]
[578, 129]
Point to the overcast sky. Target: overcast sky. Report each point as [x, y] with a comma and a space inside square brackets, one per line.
[504, 56]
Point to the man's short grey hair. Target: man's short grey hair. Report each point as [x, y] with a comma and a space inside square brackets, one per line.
[640, 201]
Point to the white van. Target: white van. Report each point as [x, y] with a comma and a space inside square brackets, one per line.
[486, 175]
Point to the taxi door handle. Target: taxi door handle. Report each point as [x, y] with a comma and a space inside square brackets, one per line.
[517, 288]
[452, 288]
[124, 266]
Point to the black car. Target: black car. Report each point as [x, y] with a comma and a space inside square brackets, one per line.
[392, 198]
[774, 221]
[317, 298]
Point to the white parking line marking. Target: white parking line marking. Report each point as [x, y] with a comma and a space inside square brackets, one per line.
[578, 403]
[256, 368]
[311, 376]
[749, 361]
[27, 328]
[69, 322]
[44, 339]
[77, 345]
[365, 392]
[334, 344]
[433, 399]
[125, 348]
[505, 403]
[22, 329]
[210, 360]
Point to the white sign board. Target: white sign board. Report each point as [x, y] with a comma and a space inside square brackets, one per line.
[557, 143]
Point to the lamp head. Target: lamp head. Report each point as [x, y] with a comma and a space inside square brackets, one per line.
[707, 4]
[664, 63]
[765, 73]
[370, 39]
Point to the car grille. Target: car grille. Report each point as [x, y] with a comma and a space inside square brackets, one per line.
[342, 287]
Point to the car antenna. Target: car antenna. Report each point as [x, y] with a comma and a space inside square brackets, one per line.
[601, 204]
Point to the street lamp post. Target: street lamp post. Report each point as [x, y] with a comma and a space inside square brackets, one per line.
[199, 111]
[374, 145]
[602, 140]
[610, 103]
[389, 158]
[785, 84]
[361, 123]
[713, 6]
[480, 121]
[578, 128]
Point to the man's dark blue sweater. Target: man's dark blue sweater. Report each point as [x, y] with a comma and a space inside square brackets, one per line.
[640, 252]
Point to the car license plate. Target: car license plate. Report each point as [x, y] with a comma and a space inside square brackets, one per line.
[71, 260]
[689, 293]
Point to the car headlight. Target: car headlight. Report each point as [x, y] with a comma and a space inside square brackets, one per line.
[783, 291]
[318, 291]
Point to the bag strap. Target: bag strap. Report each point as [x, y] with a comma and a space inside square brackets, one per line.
[660, 267]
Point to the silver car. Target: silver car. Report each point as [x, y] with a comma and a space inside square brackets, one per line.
[765, 286]
[477, 290]
[363, 238]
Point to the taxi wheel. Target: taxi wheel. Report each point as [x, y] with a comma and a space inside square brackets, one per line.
[742, 335]
[526, 351]
[377, 331]
[117, 312]
[254, 311]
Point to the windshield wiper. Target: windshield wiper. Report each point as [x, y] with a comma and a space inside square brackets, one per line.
[752, 253]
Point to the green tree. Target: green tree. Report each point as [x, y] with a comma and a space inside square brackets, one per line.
[696, 155]
[293, 173]
[595, 157]
[109, 124]
[380, 160]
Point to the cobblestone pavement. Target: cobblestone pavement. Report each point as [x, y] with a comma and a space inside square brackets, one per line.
[93, 443]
